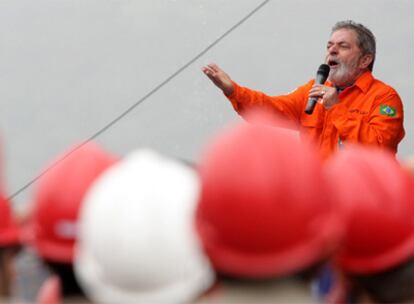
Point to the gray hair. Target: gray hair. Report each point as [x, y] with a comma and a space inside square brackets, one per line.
[366, 39]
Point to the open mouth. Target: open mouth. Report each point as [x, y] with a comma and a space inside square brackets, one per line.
[333, 63]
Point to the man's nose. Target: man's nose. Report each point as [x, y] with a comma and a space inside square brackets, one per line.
[333, 50]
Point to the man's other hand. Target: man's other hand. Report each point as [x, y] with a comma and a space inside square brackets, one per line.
[219, 78]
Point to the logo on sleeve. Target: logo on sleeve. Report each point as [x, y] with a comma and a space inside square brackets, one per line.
[387, 110]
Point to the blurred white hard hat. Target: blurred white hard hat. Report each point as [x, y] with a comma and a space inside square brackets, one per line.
[137, 241]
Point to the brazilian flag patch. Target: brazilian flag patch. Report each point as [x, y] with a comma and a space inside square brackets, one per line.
[387, 110]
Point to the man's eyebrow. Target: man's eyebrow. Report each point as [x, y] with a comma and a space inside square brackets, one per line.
[340, 42]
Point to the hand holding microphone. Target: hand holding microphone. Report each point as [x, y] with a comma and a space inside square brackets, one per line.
[326, 96]
[321, 76]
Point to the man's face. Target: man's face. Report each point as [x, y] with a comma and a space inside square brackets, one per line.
[344, 57]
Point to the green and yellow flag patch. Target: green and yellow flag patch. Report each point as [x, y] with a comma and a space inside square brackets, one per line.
[387, 110]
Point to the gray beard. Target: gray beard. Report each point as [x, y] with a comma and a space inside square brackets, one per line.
[340, 77]
[343, 76]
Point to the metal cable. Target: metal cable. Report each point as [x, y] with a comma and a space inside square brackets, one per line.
[146, 96]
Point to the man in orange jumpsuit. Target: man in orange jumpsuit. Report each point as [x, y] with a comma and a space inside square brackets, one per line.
[353, 106]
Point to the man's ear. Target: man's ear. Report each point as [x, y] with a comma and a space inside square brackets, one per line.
[366, 61]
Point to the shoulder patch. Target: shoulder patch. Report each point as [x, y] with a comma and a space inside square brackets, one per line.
[387, 110]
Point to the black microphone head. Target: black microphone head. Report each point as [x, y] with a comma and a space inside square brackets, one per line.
[324, 70]
[322, 73]
[321, 76]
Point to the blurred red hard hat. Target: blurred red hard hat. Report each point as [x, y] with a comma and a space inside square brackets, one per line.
[379, 198]
[9, 231]
[58, 197]
[264, 208]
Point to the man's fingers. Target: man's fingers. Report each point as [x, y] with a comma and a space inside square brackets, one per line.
[208, 71]
[313, 90]
[317, 91]
[214, 67]
[210, 74]
[315, 94]
[212, 78]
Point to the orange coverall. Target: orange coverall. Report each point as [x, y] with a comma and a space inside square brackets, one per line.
[369, 112]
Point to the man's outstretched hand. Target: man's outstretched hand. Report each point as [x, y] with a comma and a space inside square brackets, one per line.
[219, 78]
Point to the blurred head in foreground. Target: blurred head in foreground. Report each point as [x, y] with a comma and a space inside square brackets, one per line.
[264, 211]
[137, 241]
[378, 250]
[53, 223]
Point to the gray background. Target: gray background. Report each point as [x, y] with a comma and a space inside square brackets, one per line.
[69, 67]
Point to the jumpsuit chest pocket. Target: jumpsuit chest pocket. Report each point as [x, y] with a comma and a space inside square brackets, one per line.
[356, 114]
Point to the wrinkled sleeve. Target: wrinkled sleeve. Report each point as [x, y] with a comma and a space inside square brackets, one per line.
[289, 106]
[383, 126]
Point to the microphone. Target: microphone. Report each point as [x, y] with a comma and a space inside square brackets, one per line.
[321, 76]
